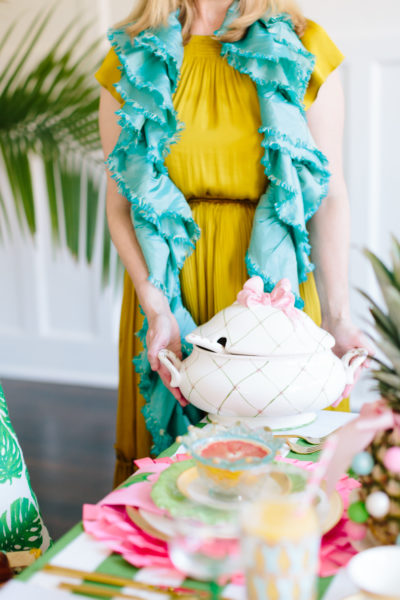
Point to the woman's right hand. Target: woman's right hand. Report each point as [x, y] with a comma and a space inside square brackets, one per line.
[163, 332]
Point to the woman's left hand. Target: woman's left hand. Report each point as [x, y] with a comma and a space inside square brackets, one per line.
[347, 336]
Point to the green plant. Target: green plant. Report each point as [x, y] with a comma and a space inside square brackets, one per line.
[51, 110]
[382, 478]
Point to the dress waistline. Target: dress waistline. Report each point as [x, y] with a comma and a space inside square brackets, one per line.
[213, 200]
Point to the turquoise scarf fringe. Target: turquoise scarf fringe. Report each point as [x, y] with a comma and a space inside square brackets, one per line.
[272, 55]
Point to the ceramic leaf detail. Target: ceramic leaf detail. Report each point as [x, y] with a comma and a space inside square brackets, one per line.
[20, 527]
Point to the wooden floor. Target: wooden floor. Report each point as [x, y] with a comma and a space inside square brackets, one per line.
[67, 437]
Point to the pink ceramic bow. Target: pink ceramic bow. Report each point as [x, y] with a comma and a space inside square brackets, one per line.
[281, 296]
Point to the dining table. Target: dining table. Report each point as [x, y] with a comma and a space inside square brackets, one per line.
[63, 566]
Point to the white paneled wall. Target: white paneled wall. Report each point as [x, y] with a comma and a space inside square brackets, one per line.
[55, 320]
[368, 35]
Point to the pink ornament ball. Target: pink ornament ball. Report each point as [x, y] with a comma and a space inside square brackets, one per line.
[392, 459]
[355, 531]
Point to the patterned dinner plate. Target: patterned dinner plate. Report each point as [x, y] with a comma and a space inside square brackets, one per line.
[194, 487]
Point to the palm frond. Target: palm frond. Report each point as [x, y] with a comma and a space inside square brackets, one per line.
[23, 51]
[51, 111]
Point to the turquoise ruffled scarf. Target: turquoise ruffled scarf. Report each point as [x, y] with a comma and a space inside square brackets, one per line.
[273, 56]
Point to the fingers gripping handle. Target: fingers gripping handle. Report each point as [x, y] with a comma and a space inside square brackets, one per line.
[173, 364]
[352, 360]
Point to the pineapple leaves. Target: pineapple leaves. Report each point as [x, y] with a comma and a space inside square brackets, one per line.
[396, 260]
[382, 321]
[392, 297]
[387, 325]
[383, 275]
[390, 379]
[49, 108]
[391, 351]
[388, 287]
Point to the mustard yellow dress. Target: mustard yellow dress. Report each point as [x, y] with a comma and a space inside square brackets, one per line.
[216, 164]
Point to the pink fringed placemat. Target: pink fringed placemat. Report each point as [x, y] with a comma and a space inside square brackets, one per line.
[108, 521]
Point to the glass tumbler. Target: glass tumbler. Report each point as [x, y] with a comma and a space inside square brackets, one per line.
[280, 539]
[205, 552]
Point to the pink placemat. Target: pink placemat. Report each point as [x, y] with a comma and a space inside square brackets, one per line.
[108, 521]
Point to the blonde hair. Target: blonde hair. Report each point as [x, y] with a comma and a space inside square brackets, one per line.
[155, 13]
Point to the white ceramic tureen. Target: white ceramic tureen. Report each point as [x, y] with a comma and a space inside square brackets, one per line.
[264, 361]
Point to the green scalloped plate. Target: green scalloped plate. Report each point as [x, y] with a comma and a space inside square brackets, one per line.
[166, 495]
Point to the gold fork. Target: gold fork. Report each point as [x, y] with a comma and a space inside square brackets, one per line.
[299, 449]
[307, 438]
[107, 579]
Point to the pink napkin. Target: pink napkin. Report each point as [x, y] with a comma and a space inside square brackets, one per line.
[108, 522]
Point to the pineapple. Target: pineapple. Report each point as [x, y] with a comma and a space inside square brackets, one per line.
[386, 529]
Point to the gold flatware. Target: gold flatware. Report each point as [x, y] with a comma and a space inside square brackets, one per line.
[299, 449]
[184, 594]
[307, 438]
[94, 590]
[316, 440]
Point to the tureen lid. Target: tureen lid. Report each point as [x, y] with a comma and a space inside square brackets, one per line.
[263, 324]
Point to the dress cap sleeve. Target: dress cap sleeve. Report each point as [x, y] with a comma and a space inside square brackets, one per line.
[327, 54]
[315, 39]
[109, 74]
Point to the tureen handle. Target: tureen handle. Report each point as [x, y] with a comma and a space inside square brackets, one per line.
[173, 364]
[352, 360]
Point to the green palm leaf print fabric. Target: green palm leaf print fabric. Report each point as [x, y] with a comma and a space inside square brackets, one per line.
[10, 456]
[24, 529]
[21, 525]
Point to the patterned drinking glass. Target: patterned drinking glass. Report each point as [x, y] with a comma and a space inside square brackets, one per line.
[280, 543]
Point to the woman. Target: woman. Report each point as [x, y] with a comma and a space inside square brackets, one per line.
[215, 164]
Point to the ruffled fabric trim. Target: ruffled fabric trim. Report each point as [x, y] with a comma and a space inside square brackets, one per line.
[273, 56]
[162, 218]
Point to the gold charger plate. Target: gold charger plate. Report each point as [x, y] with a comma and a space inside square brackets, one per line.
[143, 524]
[333, 517]
[335, 512]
